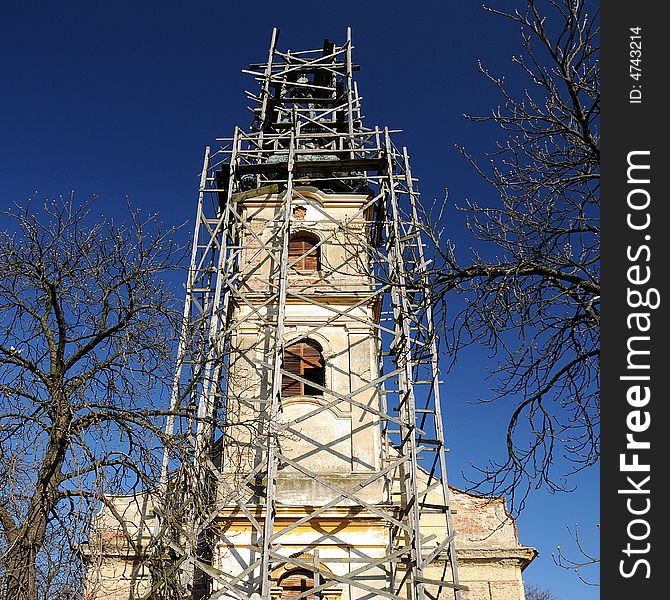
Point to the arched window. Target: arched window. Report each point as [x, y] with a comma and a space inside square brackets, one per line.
[303, 254]
[297, 582]
[305, 360]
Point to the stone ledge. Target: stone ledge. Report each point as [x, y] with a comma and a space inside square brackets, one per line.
[518, 556]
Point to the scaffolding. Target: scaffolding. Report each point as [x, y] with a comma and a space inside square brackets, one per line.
[308, 141]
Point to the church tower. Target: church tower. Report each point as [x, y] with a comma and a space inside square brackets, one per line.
[308, 368]
[320, 407]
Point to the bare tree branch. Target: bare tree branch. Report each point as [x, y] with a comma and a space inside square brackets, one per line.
[580, 562]
[529, 287]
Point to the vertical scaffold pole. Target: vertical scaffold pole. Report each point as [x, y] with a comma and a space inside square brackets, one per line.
[277, 359]
[403, 350]
[175, 398]
[435, 383]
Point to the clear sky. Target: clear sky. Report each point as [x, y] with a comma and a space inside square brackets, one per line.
[121, 98]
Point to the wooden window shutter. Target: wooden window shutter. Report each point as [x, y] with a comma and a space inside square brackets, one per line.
[311, 357]
[303, 359]
[304, 244]
[292, 360]
[313, 370]
[296, 583]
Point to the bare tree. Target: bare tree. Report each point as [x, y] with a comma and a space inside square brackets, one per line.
[86, 338]
[534, 592]
[530, 287]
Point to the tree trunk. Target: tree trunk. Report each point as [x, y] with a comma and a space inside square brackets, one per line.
[27, 540]
[20, 570]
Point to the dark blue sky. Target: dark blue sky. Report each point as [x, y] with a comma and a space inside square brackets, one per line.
[120, 98]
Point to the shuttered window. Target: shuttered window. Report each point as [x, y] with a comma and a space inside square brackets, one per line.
[295, 583]
[304, 244]
[305, 360]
